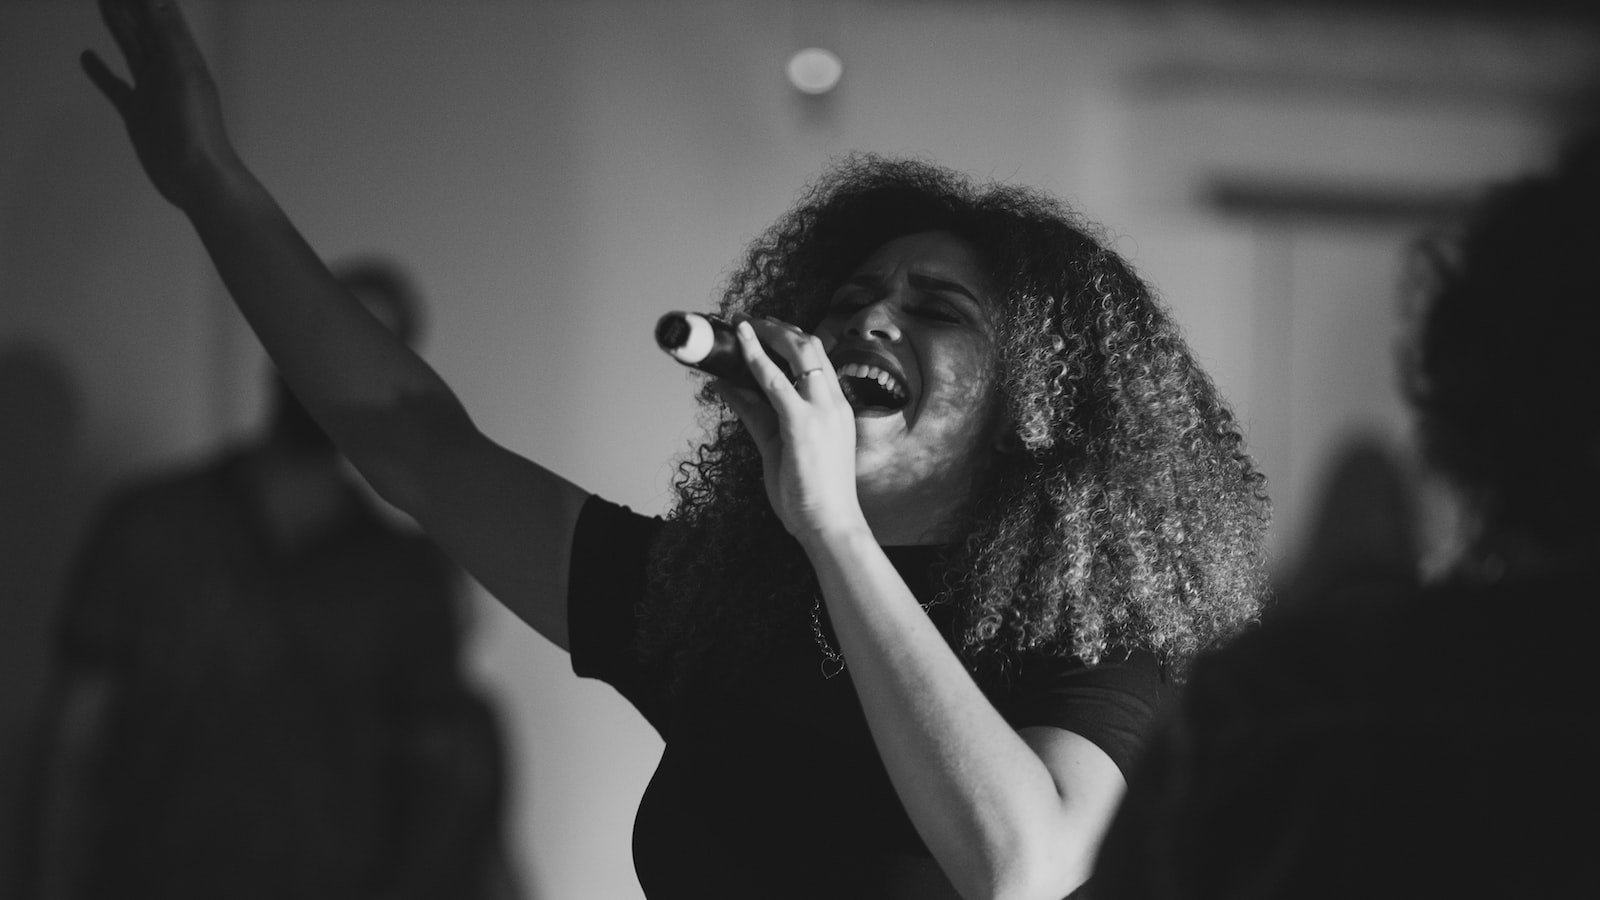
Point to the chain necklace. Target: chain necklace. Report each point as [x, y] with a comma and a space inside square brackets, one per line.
[832, 660]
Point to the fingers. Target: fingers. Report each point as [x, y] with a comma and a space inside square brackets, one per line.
[150, 33]
[752, 409]
[166, 22]
[159, 48]
[766, 373]
[115, 89]
[801, 352]
[121, 21]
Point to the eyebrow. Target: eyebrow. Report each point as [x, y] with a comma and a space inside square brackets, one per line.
[920, 281]
[929, 282]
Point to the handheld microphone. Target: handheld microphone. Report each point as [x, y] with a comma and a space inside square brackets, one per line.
[708, 342]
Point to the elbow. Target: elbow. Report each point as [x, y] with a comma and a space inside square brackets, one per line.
[397, 448]
[1034, 884]
[1041, 870]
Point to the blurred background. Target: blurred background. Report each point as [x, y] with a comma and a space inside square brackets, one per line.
[557, 174]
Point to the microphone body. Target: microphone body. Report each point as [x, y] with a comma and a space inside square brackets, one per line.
[708, 342]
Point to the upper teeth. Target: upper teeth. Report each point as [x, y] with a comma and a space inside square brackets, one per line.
[873, 373]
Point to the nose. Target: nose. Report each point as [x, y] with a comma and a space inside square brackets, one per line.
[874, 321]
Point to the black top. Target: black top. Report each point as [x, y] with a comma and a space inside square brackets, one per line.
[789, 797]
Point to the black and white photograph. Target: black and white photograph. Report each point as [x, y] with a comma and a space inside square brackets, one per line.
[904, 449]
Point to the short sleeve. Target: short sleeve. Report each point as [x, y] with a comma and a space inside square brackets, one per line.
[606, 581]
[1114, 704]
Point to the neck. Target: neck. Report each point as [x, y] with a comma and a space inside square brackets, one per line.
[930, 512]
[899, 523]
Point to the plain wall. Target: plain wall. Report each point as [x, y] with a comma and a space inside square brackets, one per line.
[558, 174]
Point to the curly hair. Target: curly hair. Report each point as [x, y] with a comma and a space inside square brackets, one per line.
[1130, 517]
[1502, 370]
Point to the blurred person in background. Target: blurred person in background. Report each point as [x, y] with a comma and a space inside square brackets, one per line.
[921, 595]
[1362, 543]
[1440, 744]
[258, 688]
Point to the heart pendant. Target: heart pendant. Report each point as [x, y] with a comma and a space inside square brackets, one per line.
[832, 667]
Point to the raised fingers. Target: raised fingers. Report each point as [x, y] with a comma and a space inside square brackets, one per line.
[164, 21]
[122, 19]
[115, 89]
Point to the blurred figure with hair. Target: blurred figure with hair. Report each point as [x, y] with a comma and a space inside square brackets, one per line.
[1445, 745]
[259, 692]
[1362, 543]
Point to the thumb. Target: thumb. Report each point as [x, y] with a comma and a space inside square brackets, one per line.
[115, 89]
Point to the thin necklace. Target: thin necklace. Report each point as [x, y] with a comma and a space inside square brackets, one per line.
[832, 660]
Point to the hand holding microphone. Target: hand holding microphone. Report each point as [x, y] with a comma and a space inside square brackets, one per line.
[707, 342]
[805, 433]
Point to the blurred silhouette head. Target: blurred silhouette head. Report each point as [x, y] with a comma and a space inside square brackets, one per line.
[389, 294]
[386, 291]
[1362, 539]
[1504, 373]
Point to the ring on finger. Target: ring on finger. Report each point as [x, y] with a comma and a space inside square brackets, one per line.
[807, 374]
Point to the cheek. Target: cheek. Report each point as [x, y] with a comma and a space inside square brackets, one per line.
[824, 333]
[967, 398]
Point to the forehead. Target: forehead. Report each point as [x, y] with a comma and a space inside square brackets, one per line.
[928, 252]
[936, 260]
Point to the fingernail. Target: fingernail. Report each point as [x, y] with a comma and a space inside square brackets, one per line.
[745, 329]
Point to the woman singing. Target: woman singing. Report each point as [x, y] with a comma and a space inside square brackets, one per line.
[914, 608]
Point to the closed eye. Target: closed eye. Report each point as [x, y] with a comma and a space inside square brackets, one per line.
[934, 300]
[938, 312]
[849, 301]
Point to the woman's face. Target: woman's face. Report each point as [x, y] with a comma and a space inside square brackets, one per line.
[911, 333]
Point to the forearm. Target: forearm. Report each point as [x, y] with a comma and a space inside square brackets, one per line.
[982, 799]
[357, 378]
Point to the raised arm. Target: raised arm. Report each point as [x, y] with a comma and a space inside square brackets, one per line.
[506, 520]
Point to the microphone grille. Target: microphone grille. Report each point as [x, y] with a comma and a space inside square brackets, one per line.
[672, 330]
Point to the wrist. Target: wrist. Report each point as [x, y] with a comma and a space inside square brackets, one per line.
[835, 537]
[218, 180]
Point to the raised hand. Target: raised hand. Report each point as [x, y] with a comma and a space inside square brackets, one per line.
[805, 430]
[170, 104]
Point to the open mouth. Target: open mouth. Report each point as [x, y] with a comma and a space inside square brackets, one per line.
[869, 387]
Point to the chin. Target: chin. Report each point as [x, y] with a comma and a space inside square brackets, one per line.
[878, 425]
[874, 458]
